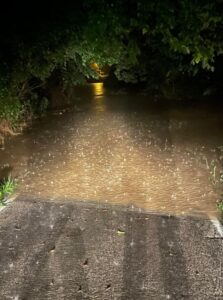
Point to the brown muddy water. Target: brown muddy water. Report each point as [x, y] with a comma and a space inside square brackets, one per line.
[115, 148]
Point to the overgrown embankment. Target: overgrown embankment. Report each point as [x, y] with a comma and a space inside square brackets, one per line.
[18, 110]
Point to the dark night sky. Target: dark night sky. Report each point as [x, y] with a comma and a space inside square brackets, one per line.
[30, 16]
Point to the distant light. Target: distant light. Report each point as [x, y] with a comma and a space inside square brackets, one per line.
[102, 72]
[95, 66]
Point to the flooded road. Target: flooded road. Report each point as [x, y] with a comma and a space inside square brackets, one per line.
[115, 147]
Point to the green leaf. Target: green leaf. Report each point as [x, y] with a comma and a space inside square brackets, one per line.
[120, 232]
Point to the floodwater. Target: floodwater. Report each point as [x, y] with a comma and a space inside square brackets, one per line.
[121, 148]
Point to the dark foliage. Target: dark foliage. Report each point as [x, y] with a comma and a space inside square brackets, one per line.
[150, 41]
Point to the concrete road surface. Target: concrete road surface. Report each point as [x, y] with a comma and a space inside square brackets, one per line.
[80, 250]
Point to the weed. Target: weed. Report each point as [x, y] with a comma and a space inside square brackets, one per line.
[220, 207]
[7, 187]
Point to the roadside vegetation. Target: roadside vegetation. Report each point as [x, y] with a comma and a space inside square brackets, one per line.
[220, 208]
[7, 187]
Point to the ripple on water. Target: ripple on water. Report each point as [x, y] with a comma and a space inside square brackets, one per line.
[152, 159]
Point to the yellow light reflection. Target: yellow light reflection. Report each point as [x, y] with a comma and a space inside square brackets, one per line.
[98, 91]
[98, 88]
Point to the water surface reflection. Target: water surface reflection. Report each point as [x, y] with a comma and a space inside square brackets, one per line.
[117, 150]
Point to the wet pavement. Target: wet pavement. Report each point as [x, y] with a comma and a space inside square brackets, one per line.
[81, 250]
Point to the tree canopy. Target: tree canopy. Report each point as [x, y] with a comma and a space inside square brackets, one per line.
[138, 39]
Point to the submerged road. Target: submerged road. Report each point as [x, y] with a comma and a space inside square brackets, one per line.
[124, 149]
[114, 202]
